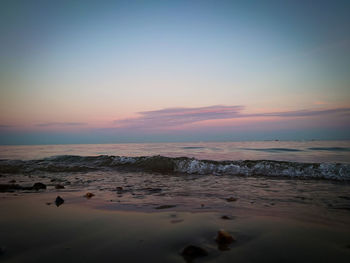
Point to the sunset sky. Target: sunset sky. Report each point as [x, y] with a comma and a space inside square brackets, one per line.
[149, 71]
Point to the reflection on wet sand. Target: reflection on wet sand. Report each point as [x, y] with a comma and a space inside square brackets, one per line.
[78, 231]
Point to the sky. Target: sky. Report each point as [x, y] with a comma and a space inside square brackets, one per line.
[162, 71]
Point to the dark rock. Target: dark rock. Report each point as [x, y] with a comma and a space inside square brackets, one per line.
[38, 186]
[59, 186]
[165, 206]
[226, 217]
[224, 238]
[12, 181]
[89, 195]
[16, 187]
[231, 199]
[192, 252]
[59, 201]
[120, 190]
[48, 203]
[10, 187]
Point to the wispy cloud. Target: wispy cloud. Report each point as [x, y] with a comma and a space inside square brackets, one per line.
[300, 113]
[174, 117]
[180, 116]
[60, 124]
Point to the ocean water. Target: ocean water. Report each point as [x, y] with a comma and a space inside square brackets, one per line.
[311, 175]
[294, 151]
[311, 159]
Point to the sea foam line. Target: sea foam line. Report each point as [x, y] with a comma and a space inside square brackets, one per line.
[184, 165]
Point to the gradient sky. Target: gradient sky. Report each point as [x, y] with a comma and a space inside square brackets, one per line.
[147, 71]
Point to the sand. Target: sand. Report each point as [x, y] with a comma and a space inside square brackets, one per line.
[84, 230]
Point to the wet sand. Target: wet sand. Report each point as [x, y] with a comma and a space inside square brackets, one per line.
[86, 230]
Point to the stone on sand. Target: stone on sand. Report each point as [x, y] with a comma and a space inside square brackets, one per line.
[224, 238]
[165, 206]
[59, 201]
[38, 186]
[191, 252]
[89, 195]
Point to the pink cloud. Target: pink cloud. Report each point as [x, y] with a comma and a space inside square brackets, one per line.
[175, 118]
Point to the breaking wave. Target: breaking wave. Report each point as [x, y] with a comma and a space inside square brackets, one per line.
[184, 165]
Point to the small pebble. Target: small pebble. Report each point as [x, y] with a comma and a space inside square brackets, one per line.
[89, 195]
[59, 201]
[192, 252]
[231, 199]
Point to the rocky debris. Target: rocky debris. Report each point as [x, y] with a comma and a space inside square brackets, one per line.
[11, 187]
[89, 195]
[165, 206]
[223, 239]
[192, 252]
[48, 203]
[38, 186]
[231, 199]
[120, 190]
[59, 201]
[16, 187]
[226, 218]
[59, 186]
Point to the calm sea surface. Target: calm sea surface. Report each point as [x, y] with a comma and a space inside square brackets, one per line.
[295, 151]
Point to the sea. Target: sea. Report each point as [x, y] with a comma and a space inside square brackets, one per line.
[198, 176]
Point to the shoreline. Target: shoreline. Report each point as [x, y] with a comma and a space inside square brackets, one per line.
[82, 229]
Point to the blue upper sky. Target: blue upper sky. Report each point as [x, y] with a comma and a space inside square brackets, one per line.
[91, 71]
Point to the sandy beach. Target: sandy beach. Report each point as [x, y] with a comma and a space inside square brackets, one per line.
[174, 131]
[109, 208]
[34, 229]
